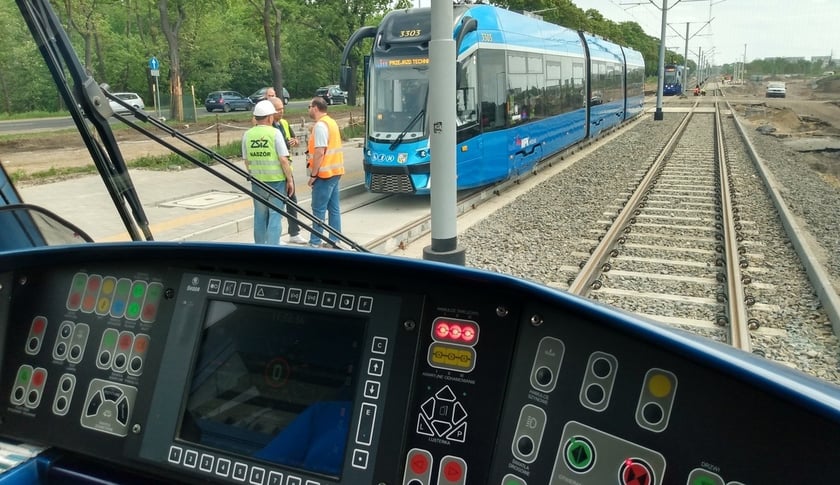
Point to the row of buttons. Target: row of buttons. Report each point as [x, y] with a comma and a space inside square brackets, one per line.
[235, 470]
[295, 296]
[453, 470]
[656, 398]
[367, 414]
[119, 298]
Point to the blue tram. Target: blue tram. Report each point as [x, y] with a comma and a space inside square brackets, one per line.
[672, 83]
[525, 90]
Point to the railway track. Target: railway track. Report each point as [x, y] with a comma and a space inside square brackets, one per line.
[678, 230]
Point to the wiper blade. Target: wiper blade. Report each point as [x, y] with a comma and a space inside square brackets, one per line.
[399, 138]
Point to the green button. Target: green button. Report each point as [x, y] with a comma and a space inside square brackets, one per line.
[24, 374]
[109, 339]
[579, 453]
[513, 480]
[703, 481]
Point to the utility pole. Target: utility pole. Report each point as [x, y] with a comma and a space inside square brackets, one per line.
[744, 69]
[444, 247]
[657, 115]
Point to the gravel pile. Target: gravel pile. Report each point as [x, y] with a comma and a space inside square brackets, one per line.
[544, 234]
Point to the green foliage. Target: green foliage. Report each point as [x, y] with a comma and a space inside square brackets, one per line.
[222, 44]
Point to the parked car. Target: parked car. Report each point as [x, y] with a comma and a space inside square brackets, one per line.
[259, 95]
[775, 90]
[332, 94]
[227, 101]
[132, 99]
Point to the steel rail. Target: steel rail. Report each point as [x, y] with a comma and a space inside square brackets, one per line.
[591, 270]
[739, 336]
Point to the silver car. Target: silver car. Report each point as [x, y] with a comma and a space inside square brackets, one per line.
[775, 90]
[132, 99]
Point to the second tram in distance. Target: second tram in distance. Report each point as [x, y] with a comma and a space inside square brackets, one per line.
[526, 89]
[672, 85]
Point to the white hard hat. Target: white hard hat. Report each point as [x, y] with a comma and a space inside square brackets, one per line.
[264, 108]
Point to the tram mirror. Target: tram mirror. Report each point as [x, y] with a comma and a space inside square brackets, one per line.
[344, 77]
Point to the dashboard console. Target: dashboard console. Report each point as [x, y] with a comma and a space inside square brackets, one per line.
[236, 364]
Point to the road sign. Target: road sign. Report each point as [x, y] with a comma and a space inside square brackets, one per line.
[155, 72]
[154, 65]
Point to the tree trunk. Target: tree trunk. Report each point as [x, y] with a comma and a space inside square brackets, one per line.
[170, 31]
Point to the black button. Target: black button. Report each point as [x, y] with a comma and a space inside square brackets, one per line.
[112, 393]
[122, 412]
[595, 394]
[652, 413]
[93, 406]
[525, 445]
[544, 376]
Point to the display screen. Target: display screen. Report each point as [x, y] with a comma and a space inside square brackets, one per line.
[275, 384]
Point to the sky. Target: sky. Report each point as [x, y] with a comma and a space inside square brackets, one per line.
[761, 28]
[730, 28]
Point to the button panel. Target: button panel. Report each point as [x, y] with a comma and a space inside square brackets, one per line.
[236, 471]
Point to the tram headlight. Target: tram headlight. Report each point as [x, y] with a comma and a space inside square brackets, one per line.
[423, 153]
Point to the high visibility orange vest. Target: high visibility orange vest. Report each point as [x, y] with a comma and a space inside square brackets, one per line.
[333, 163]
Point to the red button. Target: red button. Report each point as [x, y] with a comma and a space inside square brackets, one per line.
[125, 341]
[38, 325]
[453, 471]
[634, 472]
[38, 378]
[419, 463]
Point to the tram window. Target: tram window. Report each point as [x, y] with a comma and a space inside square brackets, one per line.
[466, 106]
[492, 89]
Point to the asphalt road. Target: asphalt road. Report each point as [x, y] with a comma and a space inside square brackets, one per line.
[12, 127]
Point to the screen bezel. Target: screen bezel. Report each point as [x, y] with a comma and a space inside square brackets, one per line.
[355, 388]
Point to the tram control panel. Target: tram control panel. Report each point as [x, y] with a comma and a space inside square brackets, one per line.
[282, 366]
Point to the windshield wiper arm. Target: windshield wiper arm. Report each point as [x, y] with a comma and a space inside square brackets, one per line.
[399, 138]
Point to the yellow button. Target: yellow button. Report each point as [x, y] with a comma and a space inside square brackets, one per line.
[659, 385]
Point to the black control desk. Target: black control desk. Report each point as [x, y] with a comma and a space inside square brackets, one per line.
[281, 366]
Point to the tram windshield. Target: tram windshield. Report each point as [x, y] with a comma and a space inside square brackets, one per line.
[672, 75]
[397, 97]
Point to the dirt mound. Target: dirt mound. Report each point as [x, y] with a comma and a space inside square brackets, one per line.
[828, 85]
[783, 122]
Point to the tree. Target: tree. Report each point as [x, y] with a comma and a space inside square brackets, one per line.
[271, 26]
[171, 29]
[337, 20]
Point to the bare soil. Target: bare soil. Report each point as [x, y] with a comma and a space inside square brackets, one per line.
[66, 149]
[808, 119]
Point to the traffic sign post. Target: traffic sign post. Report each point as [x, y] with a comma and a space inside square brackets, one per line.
[154, 68]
